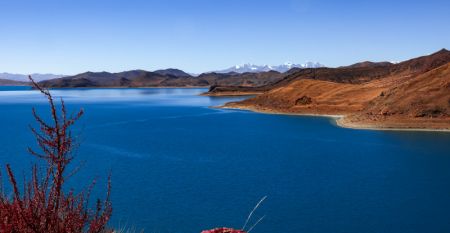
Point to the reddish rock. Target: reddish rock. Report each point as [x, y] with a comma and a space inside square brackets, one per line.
[304, 100]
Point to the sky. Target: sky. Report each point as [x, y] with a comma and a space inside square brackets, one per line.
[74, 36]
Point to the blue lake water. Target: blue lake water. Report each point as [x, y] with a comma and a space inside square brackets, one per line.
[179, 166]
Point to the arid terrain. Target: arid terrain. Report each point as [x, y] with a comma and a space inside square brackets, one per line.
[414, 94]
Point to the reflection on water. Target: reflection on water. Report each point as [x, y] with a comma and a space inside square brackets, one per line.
[152, 96]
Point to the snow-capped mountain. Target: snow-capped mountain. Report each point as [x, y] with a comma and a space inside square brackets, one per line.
[264, 68]
[24, 78]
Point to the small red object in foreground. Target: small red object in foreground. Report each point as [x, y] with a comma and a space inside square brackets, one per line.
[223, 230]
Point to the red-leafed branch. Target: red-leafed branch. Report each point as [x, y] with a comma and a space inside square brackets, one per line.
[44, 206]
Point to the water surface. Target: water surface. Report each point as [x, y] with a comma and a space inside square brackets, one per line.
[179, 166]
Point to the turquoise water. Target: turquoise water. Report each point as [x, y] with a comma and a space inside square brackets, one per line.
[179, 166]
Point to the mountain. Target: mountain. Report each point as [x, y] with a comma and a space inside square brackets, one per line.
[410, 94]
[369, 64]
[251, 68]
[103, 79]
[24, 78]
[162, 78]
[7, 82]
[173, 72]
[354, 74]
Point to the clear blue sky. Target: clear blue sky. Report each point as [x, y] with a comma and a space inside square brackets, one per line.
[69, 37]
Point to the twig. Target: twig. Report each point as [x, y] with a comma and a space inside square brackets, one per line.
[251, 213]
[259, 220]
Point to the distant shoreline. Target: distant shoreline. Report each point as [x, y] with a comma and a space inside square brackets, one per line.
[190, 87]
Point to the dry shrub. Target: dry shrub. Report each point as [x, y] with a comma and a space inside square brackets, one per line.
[43, 206]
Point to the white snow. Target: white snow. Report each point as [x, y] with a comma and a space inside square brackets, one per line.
[264, 68]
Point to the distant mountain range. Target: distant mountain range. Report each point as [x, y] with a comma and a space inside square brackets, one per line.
[232, 71]
[24, 78]
[264, 68]
[7, 82]
[162, 78]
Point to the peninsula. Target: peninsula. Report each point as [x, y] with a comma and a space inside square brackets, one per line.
[413, 94]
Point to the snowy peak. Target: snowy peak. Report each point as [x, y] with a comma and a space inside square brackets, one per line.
[244, 68]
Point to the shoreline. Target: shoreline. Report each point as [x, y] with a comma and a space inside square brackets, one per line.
[169, 87]
[231, 94]
[336, 119]
[283, 113]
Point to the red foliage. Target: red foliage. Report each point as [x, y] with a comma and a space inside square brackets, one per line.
[44, 206]
[224, 230]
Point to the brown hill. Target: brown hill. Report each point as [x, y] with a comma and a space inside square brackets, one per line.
[369, 64]
[308, 96]
[422, 64]
[412, 95]
[338, 75]
[423, 100]
[355, 74]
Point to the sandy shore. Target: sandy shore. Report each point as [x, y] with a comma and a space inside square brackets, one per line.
[224, 94]
[338, 120]
[385, 128]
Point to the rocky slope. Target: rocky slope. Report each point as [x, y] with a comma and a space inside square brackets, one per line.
[411, 94]
[423, 100]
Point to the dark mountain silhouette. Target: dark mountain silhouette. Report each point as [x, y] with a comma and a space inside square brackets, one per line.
[173, 72]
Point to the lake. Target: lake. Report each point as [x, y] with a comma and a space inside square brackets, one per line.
[180, 166]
